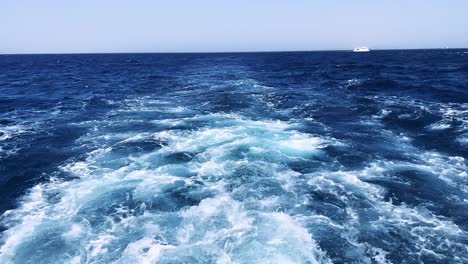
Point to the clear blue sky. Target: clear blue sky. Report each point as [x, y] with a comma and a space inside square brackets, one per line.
[61, 26]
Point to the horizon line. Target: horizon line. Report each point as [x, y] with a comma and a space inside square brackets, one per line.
[222, 52]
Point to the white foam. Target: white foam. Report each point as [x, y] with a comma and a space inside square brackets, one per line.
[301, 143]
[439, 126]
[26, 218]
[267, 237]
[98, 246]
[354, 82]
[75, 232]
[9, 132]
[143, 251]
[224, 212]
[211, 168]
[419, 222]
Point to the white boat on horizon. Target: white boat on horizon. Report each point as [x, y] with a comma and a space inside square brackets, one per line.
[361, 49]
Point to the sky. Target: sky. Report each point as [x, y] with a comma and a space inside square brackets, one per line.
[94, 26]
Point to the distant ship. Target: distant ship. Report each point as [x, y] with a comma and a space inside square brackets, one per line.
[361, 49]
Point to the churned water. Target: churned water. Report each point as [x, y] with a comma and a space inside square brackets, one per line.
[304, 157]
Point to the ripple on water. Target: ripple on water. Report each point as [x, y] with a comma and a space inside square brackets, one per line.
[201, 188]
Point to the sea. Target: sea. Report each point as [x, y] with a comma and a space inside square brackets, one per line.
[275, 157]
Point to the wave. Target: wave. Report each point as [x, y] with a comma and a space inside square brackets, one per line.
[123, 207]
[264, 158]
[225, 190]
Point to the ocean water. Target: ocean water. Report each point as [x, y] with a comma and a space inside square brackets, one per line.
[302, 157]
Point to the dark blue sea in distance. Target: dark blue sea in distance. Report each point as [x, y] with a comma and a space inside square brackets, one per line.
[288, 157]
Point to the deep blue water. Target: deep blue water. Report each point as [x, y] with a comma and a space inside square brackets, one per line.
[303, 157]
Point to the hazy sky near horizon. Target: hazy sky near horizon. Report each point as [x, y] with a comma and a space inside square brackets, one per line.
[61, 26]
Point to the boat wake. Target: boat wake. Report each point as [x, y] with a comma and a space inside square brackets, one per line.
[221, 187]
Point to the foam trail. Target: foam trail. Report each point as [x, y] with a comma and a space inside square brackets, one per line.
[234, 158]
[144, 207]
